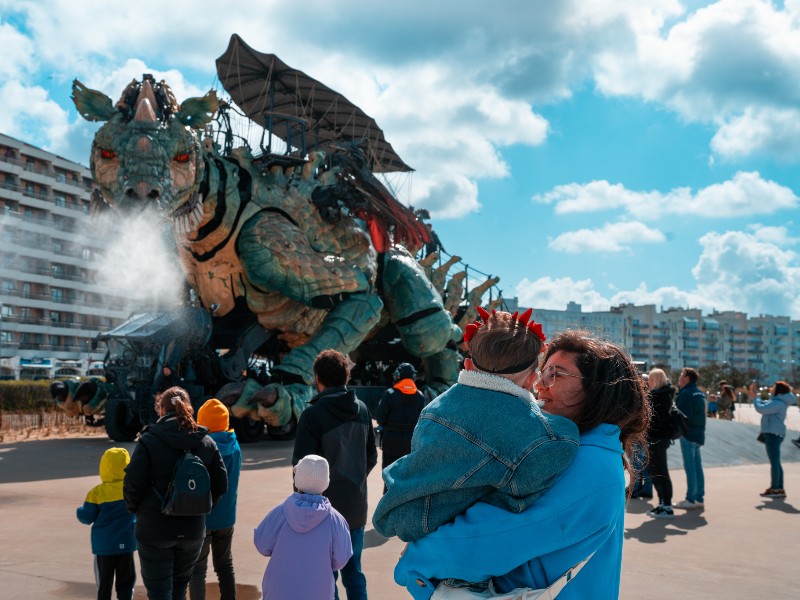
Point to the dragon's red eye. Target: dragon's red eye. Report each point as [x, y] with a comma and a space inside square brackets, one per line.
[107, 154]
[181, 157]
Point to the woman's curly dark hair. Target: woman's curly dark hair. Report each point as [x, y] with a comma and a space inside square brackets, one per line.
[614, 390]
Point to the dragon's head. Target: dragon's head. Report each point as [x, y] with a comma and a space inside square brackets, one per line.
[147, 154]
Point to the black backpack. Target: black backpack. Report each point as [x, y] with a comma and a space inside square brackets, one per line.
[678, 421]
[189, 491]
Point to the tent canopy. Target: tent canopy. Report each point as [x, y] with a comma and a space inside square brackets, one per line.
[294, 106]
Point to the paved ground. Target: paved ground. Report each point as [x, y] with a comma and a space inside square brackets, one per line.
[741, 546]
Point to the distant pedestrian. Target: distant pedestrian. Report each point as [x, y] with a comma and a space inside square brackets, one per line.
[305, 537]
[692, 402]
[397, 414]
[713, 406]
[659, 438]
[773, 428]
[113, 541]
[220, 521]
[726, 402]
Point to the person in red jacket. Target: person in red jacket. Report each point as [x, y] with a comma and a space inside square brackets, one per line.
[397, 414]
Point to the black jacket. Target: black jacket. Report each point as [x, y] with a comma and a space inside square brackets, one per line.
[159, 447]
[338, 426]
[660, 426]
[398, 414]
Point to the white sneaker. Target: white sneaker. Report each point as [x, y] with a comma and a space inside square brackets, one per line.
[689, 505]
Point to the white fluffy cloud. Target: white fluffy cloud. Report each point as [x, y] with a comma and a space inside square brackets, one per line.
[611, 238]
[757, 272]
[747, 194]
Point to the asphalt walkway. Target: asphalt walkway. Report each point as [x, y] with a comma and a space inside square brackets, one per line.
[740, 547]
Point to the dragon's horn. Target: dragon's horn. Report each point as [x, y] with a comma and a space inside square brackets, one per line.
[483, 313]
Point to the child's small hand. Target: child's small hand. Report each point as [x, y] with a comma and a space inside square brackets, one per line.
[403, 551]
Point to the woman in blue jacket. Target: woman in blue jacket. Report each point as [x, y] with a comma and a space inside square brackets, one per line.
[595, 384]
[773, 426]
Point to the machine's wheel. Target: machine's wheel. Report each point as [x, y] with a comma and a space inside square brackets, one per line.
[121, 424]
[287, 432]
[247, 430]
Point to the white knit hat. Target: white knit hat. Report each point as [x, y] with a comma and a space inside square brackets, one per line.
[311, 474]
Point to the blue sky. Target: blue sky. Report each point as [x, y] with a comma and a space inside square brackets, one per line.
[638, 151]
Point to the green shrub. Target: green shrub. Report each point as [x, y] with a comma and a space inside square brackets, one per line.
[25, 395]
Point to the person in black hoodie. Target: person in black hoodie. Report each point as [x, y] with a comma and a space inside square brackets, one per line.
[169, 545]
[338, 427]
[397, 414]
[659, 439]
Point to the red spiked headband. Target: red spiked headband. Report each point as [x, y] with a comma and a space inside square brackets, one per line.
[533, 327]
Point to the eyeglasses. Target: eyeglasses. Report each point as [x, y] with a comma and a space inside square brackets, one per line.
[547, 376]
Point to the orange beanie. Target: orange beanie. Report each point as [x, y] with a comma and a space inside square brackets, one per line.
[214, 415]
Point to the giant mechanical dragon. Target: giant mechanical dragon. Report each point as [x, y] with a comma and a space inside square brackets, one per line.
[318, 250]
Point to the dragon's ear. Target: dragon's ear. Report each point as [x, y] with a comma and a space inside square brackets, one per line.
[91, 104]
[197, 112]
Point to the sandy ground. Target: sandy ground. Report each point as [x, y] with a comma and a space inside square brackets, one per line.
[741, 546]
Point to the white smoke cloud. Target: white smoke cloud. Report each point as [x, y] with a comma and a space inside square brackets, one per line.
[140, 262]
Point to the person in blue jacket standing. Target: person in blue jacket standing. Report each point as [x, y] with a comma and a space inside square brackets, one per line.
[595, 384]
[691, 401]
[113, 539]
[773, 426]
[219, 522]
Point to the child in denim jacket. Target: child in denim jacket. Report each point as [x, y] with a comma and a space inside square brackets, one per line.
[484, 439]
[113, 540]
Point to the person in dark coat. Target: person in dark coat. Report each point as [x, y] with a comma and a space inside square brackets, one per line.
[659, 439]
[169, 545]
[397, 414]
[337, 426]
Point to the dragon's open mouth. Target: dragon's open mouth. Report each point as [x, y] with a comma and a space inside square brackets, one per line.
[188, 215]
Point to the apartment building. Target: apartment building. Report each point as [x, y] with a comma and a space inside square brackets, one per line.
[684, 337]
[51, 309]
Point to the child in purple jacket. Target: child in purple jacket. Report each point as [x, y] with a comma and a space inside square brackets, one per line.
[306, 538]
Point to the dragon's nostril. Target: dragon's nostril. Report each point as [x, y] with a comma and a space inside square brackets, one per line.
[154, 194]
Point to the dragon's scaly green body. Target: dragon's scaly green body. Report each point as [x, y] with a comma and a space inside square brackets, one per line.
[309, 274]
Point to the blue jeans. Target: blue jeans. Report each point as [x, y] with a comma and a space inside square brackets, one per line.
[773, 443]
[693, 465]
[353, 580]
[644, 484]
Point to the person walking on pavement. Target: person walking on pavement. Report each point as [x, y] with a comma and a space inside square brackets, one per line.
[338, 427]
[691, 401]
[397, 414]
[773, 427]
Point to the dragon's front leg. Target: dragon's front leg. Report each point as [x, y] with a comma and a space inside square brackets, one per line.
[277, 256]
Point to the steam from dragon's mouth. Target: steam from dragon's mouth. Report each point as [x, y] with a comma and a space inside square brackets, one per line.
[138, 262]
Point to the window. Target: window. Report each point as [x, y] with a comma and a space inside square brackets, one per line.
[55, 316]
[61, 200]
[26, 290]
[56, 295]
[54, 340]
[58, 247]
[61, 178]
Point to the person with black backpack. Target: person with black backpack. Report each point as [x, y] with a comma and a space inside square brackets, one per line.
[168, 490]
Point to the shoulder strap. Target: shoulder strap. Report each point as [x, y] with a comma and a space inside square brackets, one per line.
[548, 593]
[555, 588]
